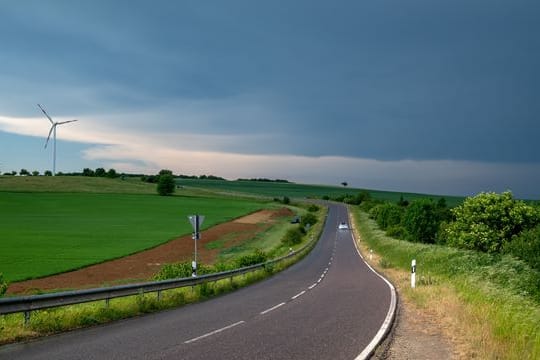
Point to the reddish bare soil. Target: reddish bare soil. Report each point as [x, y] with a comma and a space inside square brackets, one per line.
[143, 265]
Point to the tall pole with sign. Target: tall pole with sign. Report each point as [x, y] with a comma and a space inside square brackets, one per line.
[196, 221]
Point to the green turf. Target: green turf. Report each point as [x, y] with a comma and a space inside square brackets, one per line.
[47, 233]
[292, 190]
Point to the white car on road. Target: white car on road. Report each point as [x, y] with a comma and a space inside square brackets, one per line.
[343, 226]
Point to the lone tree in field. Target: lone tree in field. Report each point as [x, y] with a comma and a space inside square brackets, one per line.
[344, 184]
[166, 185]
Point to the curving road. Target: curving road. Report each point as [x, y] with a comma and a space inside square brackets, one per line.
[328, 306]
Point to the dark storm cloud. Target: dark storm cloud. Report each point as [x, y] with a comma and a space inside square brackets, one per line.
[387, 80]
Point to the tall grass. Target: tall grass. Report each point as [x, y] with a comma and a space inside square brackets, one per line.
[500, 295]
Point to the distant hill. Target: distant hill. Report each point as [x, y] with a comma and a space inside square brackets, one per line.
[293, 190]
[75, 184]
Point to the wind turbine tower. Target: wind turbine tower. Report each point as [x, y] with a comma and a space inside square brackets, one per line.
[53, 131]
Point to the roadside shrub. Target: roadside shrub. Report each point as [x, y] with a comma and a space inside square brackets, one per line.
[421, 221]
[526, 246]
[367, 205]
[396, 231]
[183, 270]
[388, 215]
[3, 285]
[362, 197]
[309, 218]
[292, 237]
[374, 211]
[351, 200]
[173, 271]
[488, 221]
[313, 208]
[257, 257]
[286, 200]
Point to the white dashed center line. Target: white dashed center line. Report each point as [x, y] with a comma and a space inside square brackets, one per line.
[299, 294]
[272, 308]
[214, 332]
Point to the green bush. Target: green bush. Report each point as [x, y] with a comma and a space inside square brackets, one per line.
[309, 218]
[292, 237]
[488, 221]
[421, 221]
[367, 205]
[388, 215]
[173, 271]
[166, 185]
[396, 231]
[526, 246]
[313, 208]
[257, 257]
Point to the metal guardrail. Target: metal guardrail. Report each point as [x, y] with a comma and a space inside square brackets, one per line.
[27, 304]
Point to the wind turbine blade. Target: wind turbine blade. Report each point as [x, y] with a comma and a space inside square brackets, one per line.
[47, 115]
[49, 137]
[65, 122]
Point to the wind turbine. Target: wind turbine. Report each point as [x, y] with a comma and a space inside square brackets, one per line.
[53, 131]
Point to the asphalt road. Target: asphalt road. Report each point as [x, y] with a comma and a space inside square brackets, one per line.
[330, 305]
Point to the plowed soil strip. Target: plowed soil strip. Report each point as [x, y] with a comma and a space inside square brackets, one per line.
[142, 266]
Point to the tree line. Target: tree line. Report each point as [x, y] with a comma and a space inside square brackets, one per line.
[487, 222]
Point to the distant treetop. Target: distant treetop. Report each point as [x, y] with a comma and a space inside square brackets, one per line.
[265, 180]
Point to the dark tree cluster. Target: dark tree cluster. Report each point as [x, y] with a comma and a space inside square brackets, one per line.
[100, 172]
[265, 180]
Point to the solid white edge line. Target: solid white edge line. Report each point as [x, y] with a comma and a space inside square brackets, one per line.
[272, 308]
[387, 323]
[214, 332]
[312, 286]
[299, 294]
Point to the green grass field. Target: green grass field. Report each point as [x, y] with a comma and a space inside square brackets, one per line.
[51, 225]
[47, 233]
[276, 189]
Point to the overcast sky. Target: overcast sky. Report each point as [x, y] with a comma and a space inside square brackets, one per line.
[419, 95]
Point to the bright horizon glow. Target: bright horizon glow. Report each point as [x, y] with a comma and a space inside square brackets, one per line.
[127, 151]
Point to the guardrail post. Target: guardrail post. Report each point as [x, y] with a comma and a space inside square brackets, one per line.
[107, 301]
[159, 295]
[27, 317]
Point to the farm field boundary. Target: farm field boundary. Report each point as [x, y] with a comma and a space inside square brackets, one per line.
[49, 233]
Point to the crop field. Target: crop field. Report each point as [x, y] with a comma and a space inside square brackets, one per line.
[292, 190]
[43, 233]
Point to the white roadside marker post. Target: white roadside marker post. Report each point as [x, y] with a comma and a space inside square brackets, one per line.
[196, 221]
[413, 273]
[370, 254]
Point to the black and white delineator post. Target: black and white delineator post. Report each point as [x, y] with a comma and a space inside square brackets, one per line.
[413, 273]
[196, 221]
